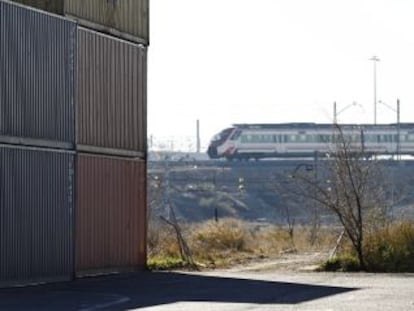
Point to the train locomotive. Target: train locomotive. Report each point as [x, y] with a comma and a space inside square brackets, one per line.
[258, 141]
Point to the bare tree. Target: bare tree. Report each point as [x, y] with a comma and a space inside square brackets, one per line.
[350, 185]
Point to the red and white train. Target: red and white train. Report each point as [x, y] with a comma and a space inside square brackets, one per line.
[257, 141]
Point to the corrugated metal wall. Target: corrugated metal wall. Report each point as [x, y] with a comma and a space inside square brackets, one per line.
[63, 86]
[53, 6]
[111, 92]
[36, 215]
[126, 16]
[111, 214]
[36, 74]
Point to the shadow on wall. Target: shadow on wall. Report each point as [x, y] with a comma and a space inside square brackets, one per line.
[151, 289]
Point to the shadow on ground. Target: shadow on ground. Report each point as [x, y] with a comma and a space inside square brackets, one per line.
[153, 289]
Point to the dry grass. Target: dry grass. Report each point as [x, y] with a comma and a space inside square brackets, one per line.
[161, 241]
[230, 241]
[391, 249]
[387, 249]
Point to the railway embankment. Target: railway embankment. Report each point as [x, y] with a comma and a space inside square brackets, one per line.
[257, 191]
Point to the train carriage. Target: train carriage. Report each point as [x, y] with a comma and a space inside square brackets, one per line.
[257, 141]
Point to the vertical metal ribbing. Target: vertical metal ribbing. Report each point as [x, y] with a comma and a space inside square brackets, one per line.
[129, 17]
[36, 215]
[110, 92]
[110, 218]
[36, 74]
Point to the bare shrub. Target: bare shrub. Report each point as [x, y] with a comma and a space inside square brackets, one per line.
[161, 240]
[351, 187]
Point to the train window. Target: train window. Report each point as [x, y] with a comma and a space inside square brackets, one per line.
[410, 137]
[257, 138]
[236, 135]
[354, 138]
[246, 138]
[323, 138]
[267, 138]
[383, 138]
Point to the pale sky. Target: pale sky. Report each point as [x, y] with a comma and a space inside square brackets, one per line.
[274, 61]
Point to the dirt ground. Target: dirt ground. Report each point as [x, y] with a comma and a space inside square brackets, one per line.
[291, 262]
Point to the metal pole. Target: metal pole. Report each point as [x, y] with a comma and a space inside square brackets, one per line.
[398, 130]
[375, 92]
[334, 112]
[375, 59]
[198, 136]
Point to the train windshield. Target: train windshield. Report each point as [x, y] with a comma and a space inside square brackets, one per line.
[222, 135]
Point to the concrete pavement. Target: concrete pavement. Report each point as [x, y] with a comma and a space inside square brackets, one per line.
[219, 290]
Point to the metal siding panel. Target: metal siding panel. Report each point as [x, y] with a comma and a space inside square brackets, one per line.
[110, 92]
[36, 216]
[118, 17]
[53, 6]
[110, 215]
[36, 74]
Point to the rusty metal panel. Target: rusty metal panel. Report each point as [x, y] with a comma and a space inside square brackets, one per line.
[110, 214]
[53, 6]
[36, 74]
[36, 215]
[111, 92]
[123, 18]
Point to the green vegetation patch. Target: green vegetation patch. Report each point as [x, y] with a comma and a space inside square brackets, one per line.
[343, 263]
[165, 263]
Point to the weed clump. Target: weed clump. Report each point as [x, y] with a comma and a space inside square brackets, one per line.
[342, 263]
[388, 249]
[391, 249]
[165, 263]
[228, 234]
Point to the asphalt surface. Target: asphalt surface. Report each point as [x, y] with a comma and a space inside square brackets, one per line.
[220, 290]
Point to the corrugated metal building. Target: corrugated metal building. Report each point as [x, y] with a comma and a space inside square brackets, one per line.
[110, 215]
[36, 215]
[128, 19]
[43, 56]
[37, 54]
[111, 96]
[53, 6]
[69, 88]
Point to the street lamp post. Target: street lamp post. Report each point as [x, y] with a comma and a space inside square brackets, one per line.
[375, 59]
[315, 213]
